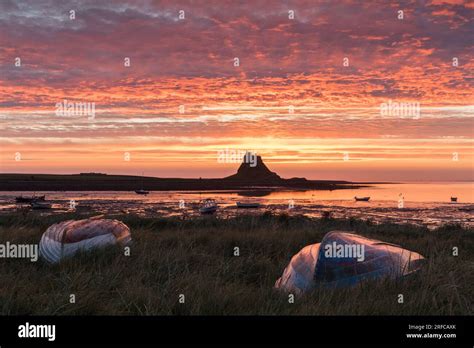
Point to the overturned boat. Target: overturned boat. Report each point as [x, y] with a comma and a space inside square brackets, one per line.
[361, 199]
[344, 259]
[64, 239]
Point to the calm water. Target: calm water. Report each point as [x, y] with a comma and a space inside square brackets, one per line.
[423, 203]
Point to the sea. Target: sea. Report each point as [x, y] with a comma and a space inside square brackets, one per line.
[427, 204]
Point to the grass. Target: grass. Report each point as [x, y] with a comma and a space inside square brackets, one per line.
[196, 258]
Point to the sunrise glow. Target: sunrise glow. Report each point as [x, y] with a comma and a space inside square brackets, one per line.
[293, 97]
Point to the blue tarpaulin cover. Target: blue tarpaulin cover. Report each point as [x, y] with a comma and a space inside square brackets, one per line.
[344, 259]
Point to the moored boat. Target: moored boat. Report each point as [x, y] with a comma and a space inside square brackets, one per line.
[40, 205]
[361, 199]
[209, 206]
[454, 199]
[248, 205]
[142, 191]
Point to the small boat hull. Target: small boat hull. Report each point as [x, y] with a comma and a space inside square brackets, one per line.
[65, 239]
[208, 210]
[142, 192]
[248, 205]
[454, 199]
[40, 205]
[362, 199]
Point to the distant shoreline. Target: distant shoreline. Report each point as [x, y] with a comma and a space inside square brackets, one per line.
[103, 182]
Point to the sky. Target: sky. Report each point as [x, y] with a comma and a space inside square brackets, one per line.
[314, 87]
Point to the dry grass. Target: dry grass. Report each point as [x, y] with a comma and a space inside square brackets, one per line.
[195, 258]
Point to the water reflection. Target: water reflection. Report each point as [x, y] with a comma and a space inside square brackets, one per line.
[424, 204]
